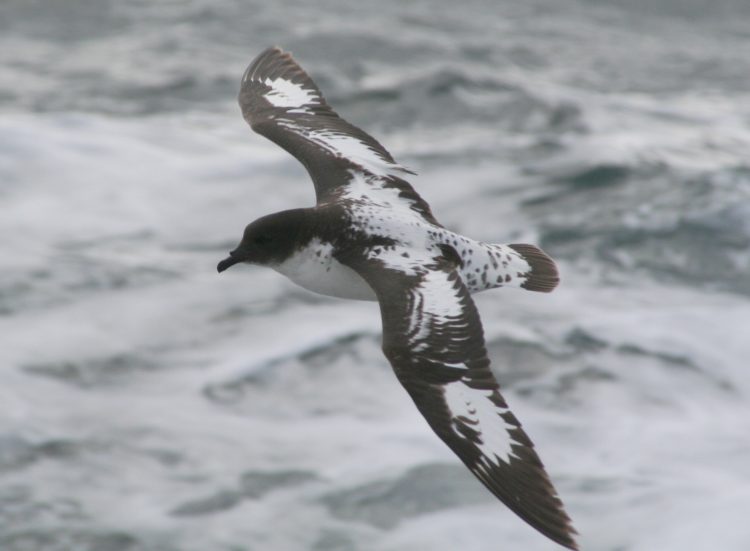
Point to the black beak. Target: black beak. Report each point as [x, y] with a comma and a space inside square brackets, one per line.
[228, 262]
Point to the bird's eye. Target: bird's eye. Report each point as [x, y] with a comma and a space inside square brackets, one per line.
[262, 239]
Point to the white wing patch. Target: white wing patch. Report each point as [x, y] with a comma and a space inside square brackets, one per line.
[435, 303]
[386, 203]
[285, 93]
[356, 151]
[475, 408]
[439, 304]
[346, 147]
[433, 306]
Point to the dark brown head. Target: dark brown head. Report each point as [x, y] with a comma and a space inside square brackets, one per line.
[269, 240]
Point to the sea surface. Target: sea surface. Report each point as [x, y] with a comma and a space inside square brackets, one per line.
[149, 404]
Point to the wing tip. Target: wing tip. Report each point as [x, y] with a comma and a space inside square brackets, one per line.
[269, 56]
[278, 52]
[290, 86]
[543, 511]
[569, 541]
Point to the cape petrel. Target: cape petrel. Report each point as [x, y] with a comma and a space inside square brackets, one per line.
[372, 237]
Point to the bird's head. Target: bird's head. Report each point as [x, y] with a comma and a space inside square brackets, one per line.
[268, 241]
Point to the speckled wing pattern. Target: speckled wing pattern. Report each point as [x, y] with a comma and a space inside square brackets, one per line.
[433, 338]
[281, 102]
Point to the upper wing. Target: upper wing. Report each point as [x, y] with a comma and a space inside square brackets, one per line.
[433, 337]
[281, 102]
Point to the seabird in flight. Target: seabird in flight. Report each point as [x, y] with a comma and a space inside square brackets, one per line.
[372, 237]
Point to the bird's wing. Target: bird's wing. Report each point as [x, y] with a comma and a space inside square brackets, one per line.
[433, 338]
[281, 102]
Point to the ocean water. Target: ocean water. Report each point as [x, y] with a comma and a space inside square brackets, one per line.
[149, 404]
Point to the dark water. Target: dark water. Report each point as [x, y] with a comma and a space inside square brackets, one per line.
[148, 404]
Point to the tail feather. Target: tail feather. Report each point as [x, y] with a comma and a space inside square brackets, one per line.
[543, 276]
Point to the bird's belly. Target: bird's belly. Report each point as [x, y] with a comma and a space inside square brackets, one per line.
[315, 269]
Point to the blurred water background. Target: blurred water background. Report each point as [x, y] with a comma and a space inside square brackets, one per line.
[147, 403]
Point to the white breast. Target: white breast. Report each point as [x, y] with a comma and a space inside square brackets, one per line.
[315, 269]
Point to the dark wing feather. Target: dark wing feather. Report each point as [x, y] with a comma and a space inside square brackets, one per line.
[433, 337]
[281, 102]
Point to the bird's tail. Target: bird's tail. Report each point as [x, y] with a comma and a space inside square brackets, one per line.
[542, 275]
[509, 265]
